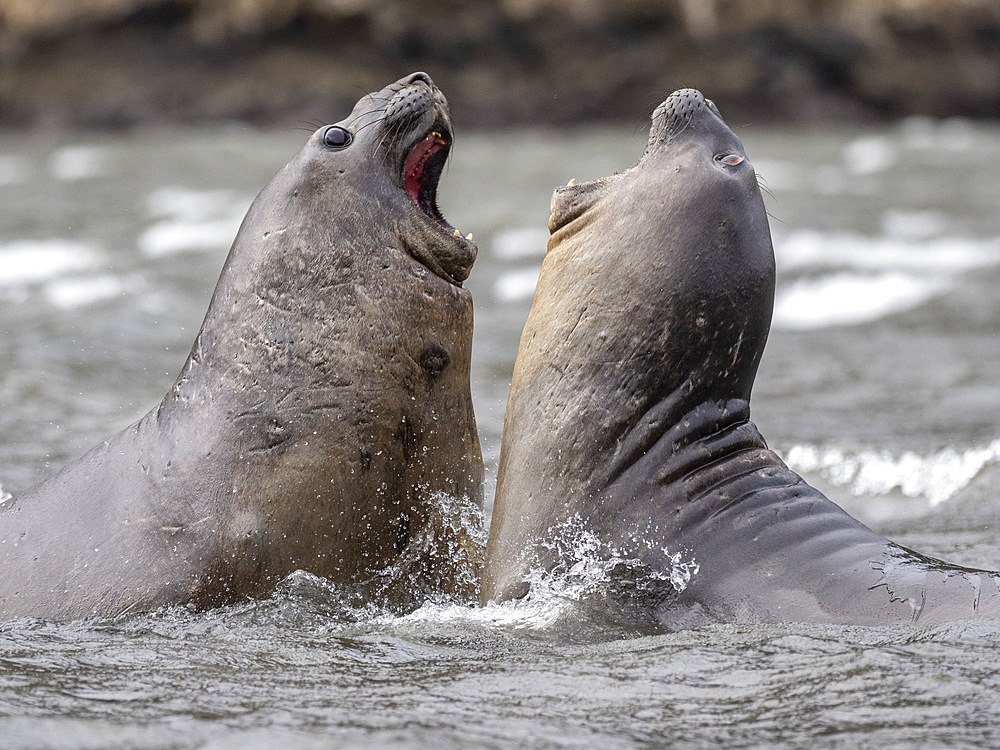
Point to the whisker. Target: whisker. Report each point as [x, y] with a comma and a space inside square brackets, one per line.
[396, 132]
[375, 121]
[310, 125]
[390, 132]
[365, 93]
[762, 184]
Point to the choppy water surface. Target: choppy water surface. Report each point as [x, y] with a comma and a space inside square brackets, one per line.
[879, 384]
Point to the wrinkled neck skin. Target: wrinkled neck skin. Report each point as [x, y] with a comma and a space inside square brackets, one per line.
[629, 409]
[641, 316]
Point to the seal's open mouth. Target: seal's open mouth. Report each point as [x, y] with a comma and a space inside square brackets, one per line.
[443, 248]
[422, 171]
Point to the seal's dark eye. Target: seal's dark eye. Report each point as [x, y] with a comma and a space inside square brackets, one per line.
[336, 137]
[730, 160]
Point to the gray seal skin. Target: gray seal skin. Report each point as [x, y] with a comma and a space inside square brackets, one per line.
[323, 411]
[629, 412]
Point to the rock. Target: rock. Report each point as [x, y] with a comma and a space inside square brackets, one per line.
[107, 63]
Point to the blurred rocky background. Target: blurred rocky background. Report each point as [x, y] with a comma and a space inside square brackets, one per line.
[107, 63]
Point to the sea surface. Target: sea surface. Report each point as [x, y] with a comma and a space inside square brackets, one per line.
[880, 384]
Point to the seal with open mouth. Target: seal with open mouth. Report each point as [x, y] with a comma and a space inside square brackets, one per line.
[322, 416]
[629, 420]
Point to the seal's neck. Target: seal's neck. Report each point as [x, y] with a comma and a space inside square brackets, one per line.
[674, 441]
[693, 465]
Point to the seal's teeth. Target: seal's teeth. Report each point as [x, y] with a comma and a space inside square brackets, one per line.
[468, 236]
[456, 233]
[572, 182]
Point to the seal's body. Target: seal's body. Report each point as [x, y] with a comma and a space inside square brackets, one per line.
[629, 410]
[323, 409]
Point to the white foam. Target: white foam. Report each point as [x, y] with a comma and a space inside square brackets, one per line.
[5, 497]
[586, 565]
[180, 235]
[849, 299]
[72, 163]
[538, 614]
[516, 285]
[935, 477]
[869, 155]
[810, 248]
[524, 242]
[925, 133]
[586, 562]
[913, 225]
[33, 261]
[179, 202]
[80, 292]
[858, 279]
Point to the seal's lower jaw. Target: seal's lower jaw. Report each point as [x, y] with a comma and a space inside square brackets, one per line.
[421, 173]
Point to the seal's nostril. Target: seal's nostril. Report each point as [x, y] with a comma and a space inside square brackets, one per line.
[414, 77]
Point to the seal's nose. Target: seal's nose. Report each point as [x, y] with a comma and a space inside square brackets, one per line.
[675, 114]
[680, 108]
[414, 77]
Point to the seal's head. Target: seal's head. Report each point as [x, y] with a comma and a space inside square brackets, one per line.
[406, 130]
[684, 231]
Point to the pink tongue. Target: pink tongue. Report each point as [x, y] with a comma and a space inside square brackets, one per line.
[413, 170]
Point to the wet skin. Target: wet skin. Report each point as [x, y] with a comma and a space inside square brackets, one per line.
[322, 413]
[629, 410]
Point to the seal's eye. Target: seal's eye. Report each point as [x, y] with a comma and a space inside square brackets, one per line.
[336, 137]
[730, 160]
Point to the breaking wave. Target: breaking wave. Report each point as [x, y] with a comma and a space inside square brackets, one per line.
[523, 242]
[516, 285]
[850, 299]
[847, 279]
[902, 250]
[935, 477]
[72, 163]
[191, 220]
[25, 262]
[72, 293]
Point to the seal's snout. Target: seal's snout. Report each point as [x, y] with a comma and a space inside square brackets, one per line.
[680, 108]
[420, 76]
[410, 100]
[675, 114]
[408, 105]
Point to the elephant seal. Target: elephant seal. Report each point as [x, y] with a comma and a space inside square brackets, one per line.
[627, 439]
[324, 409]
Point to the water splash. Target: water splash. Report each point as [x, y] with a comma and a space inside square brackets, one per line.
[444, 559]
[935, 476]
[574, 563]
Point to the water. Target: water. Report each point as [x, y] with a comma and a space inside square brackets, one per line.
[879, 383]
